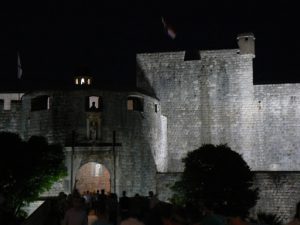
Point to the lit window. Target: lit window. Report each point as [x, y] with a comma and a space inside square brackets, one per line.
[83, 80]
[130, 104]
[135, 103]
[94, 103]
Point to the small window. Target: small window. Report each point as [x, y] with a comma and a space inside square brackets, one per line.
[135, 103]
[83, 80]
[40, 103]
[156, 108]
[94, 103]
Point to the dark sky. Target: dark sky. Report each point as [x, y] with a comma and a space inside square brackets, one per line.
[58, 38]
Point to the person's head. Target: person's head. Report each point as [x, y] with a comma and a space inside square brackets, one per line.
[78, 202]
[124, 193]
[167, 214]
[151, 193]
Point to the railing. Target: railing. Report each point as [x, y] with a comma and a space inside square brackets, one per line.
[45, 214]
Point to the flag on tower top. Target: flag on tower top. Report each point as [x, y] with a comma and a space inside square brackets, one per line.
[169, 28]
[19, 67]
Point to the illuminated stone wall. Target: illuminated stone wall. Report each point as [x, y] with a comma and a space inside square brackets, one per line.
[186, 104]
[276, 110]
[142, 135]
[213, 100]
[204, 101]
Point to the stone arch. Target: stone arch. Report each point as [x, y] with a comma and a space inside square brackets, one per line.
[92, 176]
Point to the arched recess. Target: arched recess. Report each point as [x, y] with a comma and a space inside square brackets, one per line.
[91, 177]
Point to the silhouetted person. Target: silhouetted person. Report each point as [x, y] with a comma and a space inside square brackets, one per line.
[112, 208]
[93, 106]
[102, 219]
[76, 215]
[153, 200]
[101, 202]
[124, 205]
[136, 206]
[166, 214]
[296, 219]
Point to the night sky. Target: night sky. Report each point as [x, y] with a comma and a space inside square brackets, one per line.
[57, 39]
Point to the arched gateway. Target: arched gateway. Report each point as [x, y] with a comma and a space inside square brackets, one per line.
[91, 177]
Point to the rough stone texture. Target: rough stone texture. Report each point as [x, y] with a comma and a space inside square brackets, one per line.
[164, 183]
[140, 134]
[10, 111]
[213, 100]
[279, 193]
[205, 101]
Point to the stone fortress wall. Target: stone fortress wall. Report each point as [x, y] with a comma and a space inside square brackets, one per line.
[140, 134]
[210, 98]
[213, 100]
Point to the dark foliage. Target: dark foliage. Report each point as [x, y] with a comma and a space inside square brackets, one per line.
[27, 169]
[217, 176]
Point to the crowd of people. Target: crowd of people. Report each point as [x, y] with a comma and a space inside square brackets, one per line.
[107, 209]
[101, 208]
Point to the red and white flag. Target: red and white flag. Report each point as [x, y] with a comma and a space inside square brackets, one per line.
[169, 29]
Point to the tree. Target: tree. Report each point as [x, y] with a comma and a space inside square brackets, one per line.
[218, 176]
[27, 169]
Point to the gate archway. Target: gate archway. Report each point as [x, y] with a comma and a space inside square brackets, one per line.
[91, 177]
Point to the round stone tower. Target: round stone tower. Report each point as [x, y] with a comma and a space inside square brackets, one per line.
[246, 43]
[119, 129]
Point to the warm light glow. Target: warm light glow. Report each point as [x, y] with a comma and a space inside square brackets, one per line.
[76, 81]
[82, 81]
[89, 81]
[129, 104]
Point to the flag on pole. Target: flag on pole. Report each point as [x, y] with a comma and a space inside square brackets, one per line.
[19, 67]
[169, 29]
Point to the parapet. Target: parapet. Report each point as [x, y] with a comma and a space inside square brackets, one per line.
[246, 43]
